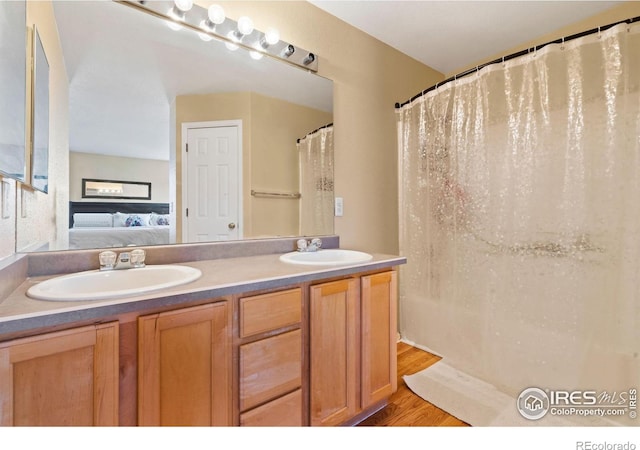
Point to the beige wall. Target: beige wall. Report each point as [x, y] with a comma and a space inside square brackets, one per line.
[43, 218]
[275, 163]
[368, 78]
[269, 152]
[102, 167]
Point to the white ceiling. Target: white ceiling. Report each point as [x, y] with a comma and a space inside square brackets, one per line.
[452, 35]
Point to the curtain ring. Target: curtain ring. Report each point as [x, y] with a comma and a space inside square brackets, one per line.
[599, 33]
[562, 45]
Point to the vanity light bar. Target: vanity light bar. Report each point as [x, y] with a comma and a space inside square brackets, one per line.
[227, 31]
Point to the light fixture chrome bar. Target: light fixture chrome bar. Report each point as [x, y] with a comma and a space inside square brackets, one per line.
[197, 17]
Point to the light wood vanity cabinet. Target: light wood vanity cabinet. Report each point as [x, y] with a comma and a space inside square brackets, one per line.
[270, 359]
[184, 367]
[61, 378]
[353, 353]
[311, 354]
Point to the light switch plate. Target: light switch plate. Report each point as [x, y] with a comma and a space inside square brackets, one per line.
[339, 207]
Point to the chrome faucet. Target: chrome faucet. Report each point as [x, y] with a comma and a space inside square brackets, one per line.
[110, 260]
[312, 245]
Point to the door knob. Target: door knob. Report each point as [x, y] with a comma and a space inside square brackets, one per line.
[232, 226]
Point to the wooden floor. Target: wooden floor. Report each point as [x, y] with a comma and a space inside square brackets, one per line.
[406, 409]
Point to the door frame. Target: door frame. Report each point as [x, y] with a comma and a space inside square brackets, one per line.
[186, 126]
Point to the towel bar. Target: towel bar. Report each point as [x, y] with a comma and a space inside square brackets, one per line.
[275, 194]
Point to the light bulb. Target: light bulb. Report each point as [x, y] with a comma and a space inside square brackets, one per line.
[216, 14]
[205, 37]
[174, 26]
[309, 59]
[272, 36]
[230, 45]
[245, 25]
[207, 25]
[184, 5]
[234, 36]
[255, 55]
[288, 51]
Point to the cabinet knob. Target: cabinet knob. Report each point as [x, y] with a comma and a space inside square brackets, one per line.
[232, 226]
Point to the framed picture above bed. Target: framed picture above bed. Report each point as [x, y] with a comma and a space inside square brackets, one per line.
[133, 190]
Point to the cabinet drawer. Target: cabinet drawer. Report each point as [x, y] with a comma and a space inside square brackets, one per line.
[269, 368]
[285, 411]
[262, 313]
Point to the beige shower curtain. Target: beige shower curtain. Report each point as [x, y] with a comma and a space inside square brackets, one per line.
[316, 182]
[520, 217]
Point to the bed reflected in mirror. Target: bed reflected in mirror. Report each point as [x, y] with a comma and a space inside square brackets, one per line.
[118, 224]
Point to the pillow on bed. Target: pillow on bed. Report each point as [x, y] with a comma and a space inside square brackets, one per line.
[133, 220]
[130, 220]
[158, 219]
[87, 220]
[119, 219]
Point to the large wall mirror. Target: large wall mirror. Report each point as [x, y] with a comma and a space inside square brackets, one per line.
[141, 91]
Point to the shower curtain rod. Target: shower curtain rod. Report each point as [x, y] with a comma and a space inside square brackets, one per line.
[315, 131]
[515, 55]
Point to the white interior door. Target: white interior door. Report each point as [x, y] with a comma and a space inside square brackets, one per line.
[213, 185]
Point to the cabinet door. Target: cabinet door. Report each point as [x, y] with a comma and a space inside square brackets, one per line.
[63, 378]
[334, 351]
[184, 367]
[378, 334]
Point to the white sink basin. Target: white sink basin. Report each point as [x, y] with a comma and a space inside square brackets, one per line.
[99, 285]
[326, 257]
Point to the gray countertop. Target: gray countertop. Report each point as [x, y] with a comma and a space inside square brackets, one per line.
[19, 314]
